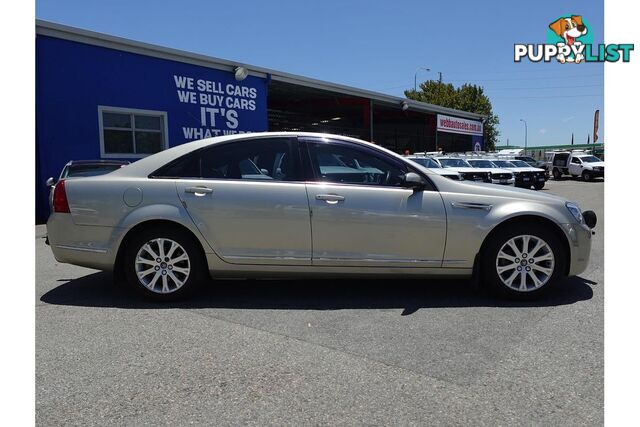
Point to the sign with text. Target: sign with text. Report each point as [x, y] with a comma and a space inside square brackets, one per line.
[458, 125]
[222, 107]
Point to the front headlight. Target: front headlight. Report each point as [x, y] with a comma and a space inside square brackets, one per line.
[575, 211]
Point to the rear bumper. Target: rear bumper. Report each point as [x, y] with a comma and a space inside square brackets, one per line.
[84, 245]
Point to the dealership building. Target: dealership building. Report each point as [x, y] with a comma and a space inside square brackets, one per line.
[105, 97]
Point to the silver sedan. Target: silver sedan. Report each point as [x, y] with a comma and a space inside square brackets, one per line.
[289, 204]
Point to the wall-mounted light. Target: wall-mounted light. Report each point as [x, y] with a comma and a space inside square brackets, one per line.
[241, 73]
[404, 105]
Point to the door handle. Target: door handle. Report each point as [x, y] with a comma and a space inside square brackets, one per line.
[330, 198]
[198, 190]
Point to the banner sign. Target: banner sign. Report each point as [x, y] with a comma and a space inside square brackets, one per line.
[223, 106]
[458, 125]
[596, 125]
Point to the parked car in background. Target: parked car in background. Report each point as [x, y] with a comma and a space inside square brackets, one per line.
[527, 159]
[434, 166]
[576, 163]
[468, 172]
[498, 175]
[525, 175]
[170, 220]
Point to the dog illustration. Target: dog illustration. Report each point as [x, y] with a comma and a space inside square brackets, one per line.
[569, 29]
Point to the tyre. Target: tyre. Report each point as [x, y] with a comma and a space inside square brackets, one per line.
[587, 176]
[538, 185]
[164, 264]
[557, 174]
[522, 261]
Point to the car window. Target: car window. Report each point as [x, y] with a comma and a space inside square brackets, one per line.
[590, 159]
[426, 162]
[484, 164]
[454, 163]
[343, 164]
[89, 170]
[504, 163]
[575, 160]
[258, 159]
[520, 163]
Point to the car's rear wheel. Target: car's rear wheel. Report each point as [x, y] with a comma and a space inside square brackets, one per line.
[164, 265]
[557, 174]
[522, 261]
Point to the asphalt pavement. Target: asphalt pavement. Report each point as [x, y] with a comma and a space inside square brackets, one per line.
[321, 352]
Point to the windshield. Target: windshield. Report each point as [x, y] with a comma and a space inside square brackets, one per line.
[484, 164]
[590, 159]
[505, 164]
[454, 163]
[520, 163]
[426, 162]
[527, 159]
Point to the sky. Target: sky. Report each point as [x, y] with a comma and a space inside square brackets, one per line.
[379, 46]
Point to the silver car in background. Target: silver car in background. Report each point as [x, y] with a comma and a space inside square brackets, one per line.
[291, 204]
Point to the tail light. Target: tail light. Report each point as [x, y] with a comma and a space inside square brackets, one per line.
[60, 202]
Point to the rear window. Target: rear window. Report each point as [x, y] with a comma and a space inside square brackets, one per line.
[89, 170]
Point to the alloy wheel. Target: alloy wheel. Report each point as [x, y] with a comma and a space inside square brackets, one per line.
[525, 263]
[162, 265]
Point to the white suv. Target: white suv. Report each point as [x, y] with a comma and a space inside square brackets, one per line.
[498, 175]
[468, 172]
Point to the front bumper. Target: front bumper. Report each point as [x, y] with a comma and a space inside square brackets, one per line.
[525, 179]
[580, 238]
[503, 181]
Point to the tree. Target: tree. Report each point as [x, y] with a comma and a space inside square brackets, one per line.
[467, 97]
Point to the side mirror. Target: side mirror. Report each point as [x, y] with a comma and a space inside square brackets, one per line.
[50, 182]
[414, 181]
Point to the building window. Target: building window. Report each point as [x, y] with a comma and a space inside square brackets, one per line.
[131, 133]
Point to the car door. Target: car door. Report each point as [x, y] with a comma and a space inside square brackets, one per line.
[575, 166]
[248, 201]
[361, 215]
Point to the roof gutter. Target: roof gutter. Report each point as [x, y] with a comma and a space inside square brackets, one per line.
[65, 32]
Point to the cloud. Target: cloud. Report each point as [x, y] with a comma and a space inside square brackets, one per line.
[543, 131]
[568, 119]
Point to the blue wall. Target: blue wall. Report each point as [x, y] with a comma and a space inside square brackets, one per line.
[73, 79]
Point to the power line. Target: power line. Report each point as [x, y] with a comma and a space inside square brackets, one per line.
[407, 85]
[544, 97]
[542, 87]
[530, 78]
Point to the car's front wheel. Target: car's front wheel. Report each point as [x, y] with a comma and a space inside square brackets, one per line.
[163, 265]
[538, 185]
[587, 176]
[523, 261]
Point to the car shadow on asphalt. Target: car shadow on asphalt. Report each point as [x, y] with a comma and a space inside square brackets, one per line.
[99, 290]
